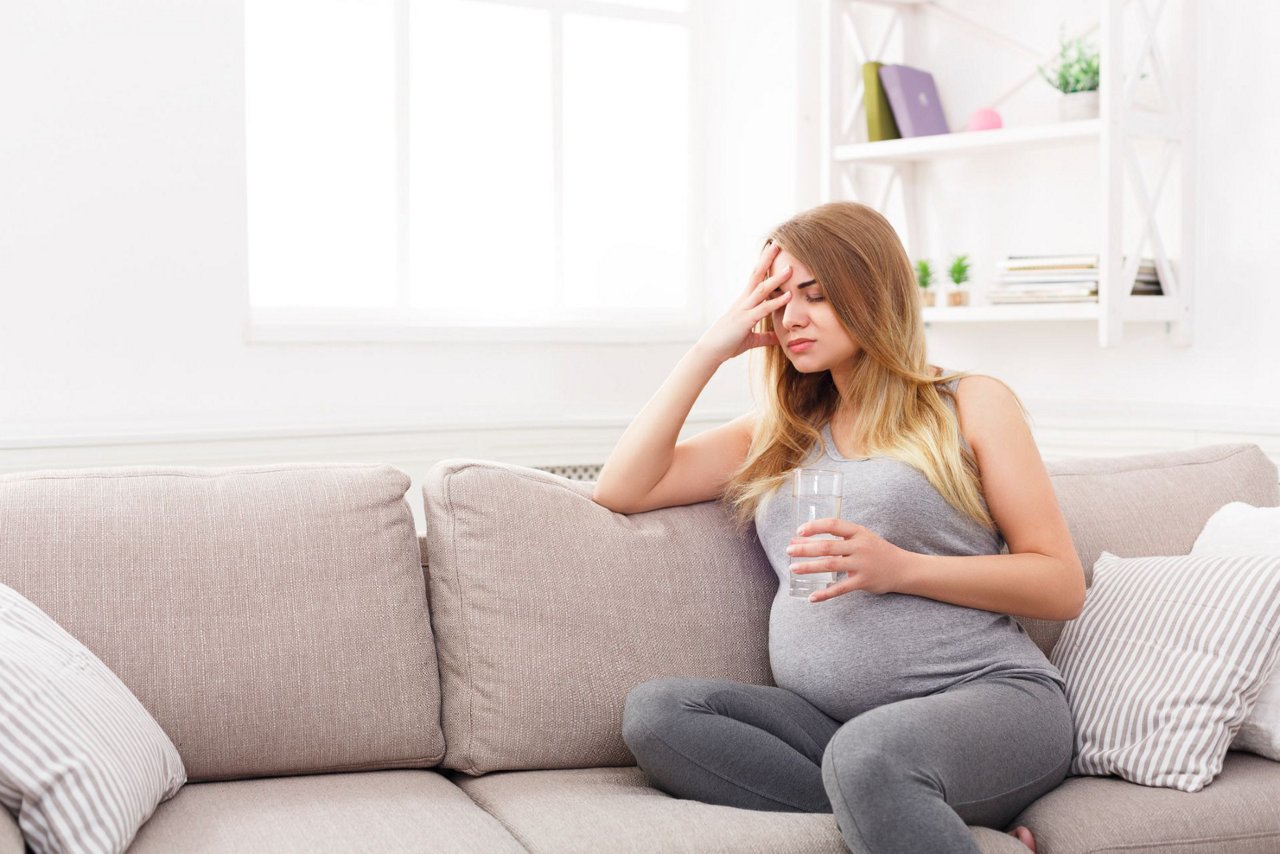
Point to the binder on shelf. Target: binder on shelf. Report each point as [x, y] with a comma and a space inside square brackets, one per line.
[880, 123]
[913, 97]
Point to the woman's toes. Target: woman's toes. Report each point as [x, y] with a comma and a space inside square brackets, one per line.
[1023, 835]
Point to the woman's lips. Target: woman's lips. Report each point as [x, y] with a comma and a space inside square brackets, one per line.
[800, 346]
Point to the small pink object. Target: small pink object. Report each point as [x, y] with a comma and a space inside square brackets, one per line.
[984, 118]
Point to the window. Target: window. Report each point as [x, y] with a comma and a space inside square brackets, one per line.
[472, 163]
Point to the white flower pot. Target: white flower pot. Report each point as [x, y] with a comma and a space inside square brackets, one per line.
[1077, 106]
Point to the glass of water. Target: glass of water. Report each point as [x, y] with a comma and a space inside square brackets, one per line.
[817, 494]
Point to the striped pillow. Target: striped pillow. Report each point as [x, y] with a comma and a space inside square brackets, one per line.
[1165, 662]
[82, 763]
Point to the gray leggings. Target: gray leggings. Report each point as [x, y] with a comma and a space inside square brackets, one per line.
[906, 776]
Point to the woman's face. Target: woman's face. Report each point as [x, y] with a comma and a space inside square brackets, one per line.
[808, 315]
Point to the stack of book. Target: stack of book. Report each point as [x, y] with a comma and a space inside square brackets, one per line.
[1059, 278]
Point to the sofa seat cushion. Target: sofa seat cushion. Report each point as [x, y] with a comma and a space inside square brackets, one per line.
[1238, 812]
[383, 811]
[590, 810]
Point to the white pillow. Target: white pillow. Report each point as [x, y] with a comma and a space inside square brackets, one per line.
[1165, 662]
[82, 763]
[1239, 528]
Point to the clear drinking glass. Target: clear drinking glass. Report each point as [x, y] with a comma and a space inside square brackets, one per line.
[817, 494]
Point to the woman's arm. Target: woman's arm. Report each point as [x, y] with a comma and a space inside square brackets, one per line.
[1041, 576]
[645, 451]
[643, 457]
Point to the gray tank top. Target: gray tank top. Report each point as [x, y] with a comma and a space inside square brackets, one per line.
[860, 650]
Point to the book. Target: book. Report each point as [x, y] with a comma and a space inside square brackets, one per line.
[1027, 273]
[1024, 262]
[1086, 288]
[1005, 299]
[1064, 262]
[913, 97]
[1051, 276]
[880, 123]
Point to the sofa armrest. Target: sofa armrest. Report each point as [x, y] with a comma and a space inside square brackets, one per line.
[11, 841]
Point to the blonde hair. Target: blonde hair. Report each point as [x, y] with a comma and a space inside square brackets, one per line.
[867, 279]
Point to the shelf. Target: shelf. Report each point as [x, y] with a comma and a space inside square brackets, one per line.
[998, 313]
[1126, 155]
[890, 151]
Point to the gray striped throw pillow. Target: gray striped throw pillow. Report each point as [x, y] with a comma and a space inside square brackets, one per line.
[1165, 662]
[82, 762]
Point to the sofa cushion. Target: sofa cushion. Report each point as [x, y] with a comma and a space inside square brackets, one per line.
[272, 619]
[1239, 812]
[384, 811]
[82, 763]
[1150, 504]
[548, 608]
[1238, 528]
[613, 809]
[1165, 662]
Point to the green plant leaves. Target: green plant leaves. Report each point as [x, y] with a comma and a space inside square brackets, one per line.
[1076, 68]
[924, 273]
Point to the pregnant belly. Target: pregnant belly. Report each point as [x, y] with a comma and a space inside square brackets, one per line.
[861, 650]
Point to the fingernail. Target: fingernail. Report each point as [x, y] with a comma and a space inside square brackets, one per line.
[813, 597]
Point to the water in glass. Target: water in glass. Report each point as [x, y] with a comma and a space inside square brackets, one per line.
[817, 494]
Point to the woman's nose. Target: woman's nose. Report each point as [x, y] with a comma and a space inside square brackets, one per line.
[792, 313]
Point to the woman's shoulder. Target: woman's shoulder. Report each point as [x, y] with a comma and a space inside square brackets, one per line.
[981, 385]
[983, 405]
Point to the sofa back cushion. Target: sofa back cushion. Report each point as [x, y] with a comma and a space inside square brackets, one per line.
[271, 619]
[1150, 504]
[548, 608]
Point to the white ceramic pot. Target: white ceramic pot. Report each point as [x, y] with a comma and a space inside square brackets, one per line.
[1077, 106]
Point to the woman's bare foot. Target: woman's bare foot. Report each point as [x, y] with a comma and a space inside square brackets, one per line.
[1023, 835]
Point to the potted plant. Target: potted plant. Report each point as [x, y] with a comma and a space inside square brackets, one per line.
[959, 274]
[1075, 75]
[924, 278]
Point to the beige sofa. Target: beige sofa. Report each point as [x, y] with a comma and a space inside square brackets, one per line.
[327, 694]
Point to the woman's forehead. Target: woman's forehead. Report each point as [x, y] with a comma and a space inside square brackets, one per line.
[799, 272]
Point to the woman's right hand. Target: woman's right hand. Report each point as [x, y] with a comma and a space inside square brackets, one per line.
[732, 334]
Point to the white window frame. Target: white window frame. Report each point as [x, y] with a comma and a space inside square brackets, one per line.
[272, 325]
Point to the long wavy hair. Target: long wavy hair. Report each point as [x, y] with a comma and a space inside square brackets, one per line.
[867, 279]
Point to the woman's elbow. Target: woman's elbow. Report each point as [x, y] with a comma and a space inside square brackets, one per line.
[1074, 599]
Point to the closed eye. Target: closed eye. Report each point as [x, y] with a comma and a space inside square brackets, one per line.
[777, 291]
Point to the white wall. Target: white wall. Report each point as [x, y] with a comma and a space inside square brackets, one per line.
[123, 248]
[123, 283]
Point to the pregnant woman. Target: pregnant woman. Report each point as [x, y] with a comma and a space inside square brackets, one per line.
[908, 701]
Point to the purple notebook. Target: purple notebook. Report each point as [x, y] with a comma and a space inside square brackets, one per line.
[914, 100]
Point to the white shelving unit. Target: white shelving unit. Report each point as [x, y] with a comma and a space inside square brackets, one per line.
[1112, 137]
